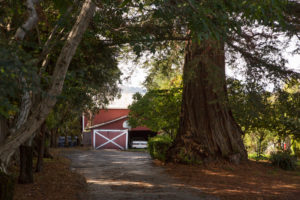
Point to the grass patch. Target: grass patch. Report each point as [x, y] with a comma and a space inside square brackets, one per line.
[254, 156]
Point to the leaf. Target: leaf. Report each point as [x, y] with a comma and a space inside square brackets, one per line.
[62, 5]
[125, 2]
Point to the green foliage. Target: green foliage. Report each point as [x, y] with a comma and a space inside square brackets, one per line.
[265, 117]
[250, 105]
[252, 109]
[260, 142]
[15, 63]
[20, 60]
[158, 110]
[283, 160]
[158, 146]
[91, 82]
[286, 104]
[147, 26]
[261, 157]
[296, 148]
[62, 5]
[92, 78]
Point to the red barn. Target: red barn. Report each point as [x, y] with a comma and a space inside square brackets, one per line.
[110, 130]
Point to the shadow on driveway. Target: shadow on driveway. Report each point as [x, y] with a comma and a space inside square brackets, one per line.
[121, 175]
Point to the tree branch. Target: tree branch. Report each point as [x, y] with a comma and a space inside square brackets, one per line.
[41, 111]
[31, 21]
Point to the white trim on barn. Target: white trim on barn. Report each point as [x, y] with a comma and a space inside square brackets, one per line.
[105, 123]
[127, 140]
[122, 132]
[82, 122]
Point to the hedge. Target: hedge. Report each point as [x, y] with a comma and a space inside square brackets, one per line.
[158, 146]
[283, 160]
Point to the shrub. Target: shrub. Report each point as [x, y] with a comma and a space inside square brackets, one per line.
[158, 146]
[283, 160]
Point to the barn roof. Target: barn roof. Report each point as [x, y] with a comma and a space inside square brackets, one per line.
[111, 116]
[106, 115]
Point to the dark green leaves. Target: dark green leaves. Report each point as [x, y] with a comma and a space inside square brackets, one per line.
[124, 3]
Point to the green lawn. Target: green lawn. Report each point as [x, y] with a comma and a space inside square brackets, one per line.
[262, 157]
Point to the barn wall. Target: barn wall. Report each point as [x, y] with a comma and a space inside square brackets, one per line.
[117, 125]
[87, 139]
[104, 116]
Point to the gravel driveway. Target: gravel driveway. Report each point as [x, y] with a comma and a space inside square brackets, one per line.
[121, 175]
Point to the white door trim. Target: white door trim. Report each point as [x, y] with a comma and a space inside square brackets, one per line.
[122, 132]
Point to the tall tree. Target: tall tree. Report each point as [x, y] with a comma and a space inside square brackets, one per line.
[43, 107]
[212, 29]
[207, 129]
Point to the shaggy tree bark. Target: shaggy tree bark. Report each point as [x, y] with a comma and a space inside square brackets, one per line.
[3, 129]
[47, 153]
[66, 138]
[26, 161]
[6, 187]
[207, 130]
[53, 138]
[26, 158]
[41, 148]
[43, 108]
[25, 106]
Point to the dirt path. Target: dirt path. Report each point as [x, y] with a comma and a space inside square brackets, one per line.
[119, 175]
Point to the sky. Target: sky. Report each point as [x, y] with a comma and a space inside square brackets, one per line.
[132, 82]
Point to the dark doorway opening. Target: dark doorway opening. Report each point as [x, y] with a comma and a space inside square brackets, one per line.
[139, 135]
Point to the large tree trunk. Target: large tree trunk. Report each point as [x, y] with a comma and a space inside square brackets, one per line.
[6, 181]
[26, 158]
[207, 130]
[3, 129]
[53, 138]
[41, 148]
[6, 186]
[47, 153]
[66, 139]
[43, 108]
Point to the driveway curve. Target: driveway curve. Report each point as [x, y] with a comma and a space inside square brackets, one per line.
[123, 175]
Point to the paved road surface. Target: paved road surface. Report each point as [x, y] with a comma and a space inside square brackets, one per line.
[120, 175]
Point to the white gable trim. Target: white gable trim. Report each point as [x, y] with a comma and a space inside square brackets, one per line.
[105, 123]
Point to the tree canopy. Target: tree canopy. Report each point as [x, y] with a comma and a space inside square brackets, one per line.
[40, 38]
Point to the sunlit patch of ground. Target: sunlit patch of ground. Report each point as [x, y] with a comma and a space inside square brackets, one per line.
[251, 180]
[120, 182]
